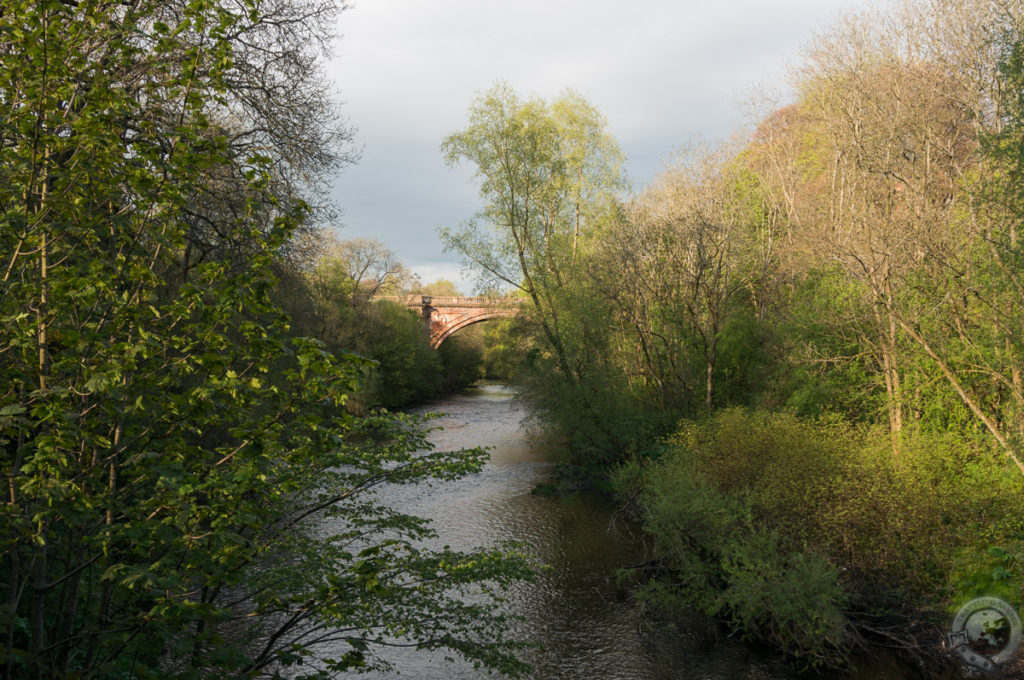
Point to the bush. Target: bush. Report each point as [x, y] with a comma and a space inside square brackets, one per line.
[603, 421]
[792, 599]
[794, 530]
[720, 558]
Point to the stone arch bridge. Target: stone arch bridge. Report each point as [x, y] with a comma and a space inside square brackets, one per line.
[448, 314]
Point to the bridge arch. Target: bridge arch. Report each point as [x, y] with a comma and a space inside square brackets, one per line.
[451, 327]
[447, 314]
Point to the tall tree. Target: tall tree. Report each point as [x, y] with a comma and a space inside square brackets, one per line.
[165, 445]
[547, 173]
[889, 189]
[676, 267]
[887, 141]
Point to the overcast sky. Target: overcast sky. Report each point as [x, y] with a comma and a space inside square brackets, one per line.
[661, 71]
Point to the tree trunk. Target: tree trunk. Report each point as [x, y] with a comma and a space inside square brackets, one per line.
[968, 400]
[710, 359]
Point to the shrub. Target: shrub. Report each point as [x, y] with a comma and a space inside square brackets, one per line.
[793, 530]
[720, 559]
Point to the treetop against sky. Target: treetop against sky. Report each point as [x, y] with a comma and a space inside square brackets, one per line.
[661, 71]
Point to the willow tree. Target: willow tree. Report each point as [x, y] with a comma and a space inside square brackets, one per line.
[165, 445]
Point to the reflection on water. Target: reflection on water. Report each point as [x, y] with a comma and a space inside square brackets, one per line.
[584, 625]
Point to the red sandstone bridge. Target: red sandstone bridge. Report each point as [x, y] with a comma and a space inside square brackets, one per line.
[447, 314]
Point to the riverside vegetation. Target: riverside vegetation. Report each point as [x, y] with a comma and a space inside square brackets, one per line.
[798, 353]
[172, 445]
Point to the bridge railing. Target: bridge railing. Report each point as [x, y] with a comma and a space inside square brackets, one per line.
[453, 301]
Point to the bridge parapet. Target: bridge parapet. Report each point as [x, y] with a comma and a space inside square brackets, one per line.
[453, 301]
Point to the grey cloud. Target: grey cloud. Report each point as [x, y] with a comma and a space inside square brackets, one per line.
[662, 71]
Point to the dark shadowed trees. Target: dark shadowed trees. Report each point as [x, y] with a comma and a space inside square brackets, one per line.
[165, 444]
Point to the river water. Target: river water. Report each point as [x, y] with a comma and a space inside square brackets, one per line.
[584, 625]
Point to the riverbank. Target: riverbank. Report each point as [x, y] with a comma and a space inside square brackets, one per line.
[580, 619]
[811, 537]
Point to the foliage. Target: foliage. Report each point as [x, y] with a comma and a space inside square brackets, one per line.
[462, 359]
[801, 532]
[507, 343]
[407, 368]
[439, 287]
[588, 327]
[334, 300]
[170, 454]
[851, 269]
[548, 176]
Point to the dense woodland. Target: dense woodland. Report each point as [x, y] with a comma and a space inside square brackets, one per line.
[797, 354]
[172, 444]
[331, 297]
[799, 350]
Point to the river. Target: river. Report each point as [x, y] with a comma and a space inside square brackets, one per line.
[583, 623]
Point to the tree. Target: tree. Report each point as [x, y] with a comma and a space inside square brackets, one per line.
[550, 177]
[899, 123]
[166, 446]
[674, 270]
[345, 276]
[869, 166]
[276, 104]
[592, 172]
[441, 287]
[547, 174]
